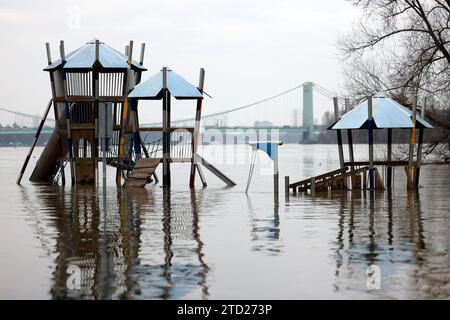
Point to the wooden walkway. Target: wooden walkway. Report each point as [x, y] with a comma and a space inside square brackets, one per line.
[337, 180]
[142, 172]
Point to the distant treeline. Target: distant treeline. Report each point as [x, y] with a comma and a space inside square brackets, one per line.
[399, 136]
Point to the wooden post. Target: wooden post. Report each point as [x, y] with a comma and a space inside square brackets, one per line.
[339, 134]
[166, 128]
[36, 137]
[134, 111]
[275, 172]
[103, 140]
[141, 62]
[370, 133]
[138, 80]
[410, 182]
[389, 159]
[419, 148]
[67, 113]
[286, 188]
[313, 186]
[350, 143]
[56, 114]
[347, 104]
[123, 117]
[198, 113]
[350, 138]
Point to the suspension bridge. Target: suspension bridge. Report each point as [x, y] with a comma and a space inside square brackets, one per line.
[301, 111]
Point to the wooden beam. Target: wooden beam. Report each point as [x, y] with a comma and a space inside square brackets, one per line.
[409, 171]
[59, 148]
[370, 134]
[338, 132]
[202, 176]
[166, 133]
[124, 113]
[286, 188]
[215, 171]
[419, 148]
[349, 140]
[67, 113]
[389, 159]
[145, 129]
[195, 137]
[36, 137]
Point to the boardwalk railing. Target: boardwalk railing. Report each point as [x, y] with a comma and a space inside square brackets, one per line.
[339, 179]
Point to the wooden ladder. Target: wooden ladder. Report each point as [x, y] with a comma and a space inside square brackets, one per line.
[142, 172]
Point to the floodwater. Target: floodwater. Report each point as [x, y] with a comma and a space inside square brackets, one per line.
[218, 242]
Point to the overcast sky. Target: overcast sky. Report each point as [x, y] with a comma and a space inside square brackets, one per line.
[250, 49]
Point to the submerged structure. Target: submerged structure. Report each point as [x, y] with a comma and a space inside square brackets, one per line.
[96, 119]
[377, 112]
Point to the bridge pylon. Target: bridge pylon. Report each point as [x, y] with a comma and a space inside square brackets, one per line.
[308, 113]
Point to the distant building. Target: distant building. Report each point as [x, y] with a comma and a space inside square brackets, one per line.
[35, 121]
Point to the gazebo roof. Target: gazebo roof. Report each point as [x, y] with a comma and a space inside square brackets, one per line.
[84, 58]
[387, 114]
[151, 89]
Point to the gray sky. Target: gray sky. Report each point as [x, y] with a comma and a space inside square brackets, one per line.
[250, 49]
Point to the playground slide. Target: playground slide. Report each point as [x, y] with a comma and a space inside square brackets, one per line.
[46, 166]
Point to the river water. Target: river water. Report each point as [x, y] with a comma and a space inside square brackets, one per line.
[218, 242]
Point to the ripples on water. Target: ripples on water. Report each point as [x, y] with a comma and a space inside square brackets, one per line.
[219, 243]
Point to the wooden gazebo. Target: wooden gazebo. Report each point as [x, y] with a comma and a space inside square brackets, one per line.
[381, 112]
[377, 112]
[162, 86]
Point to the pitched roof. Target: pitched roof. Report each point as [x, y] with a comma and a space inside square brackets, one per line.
[151, 89]
[84, 58]
[387, 114]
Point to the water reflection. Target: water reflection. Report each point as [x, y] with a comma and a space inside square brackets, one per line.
[374, 229]
[101, 236]
[265, 231]
[216, 244]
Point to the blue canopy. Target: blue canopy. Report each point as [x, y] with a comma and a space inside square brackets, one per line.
[151, 89]
[84, 58]
[387, 114]
[267, 147]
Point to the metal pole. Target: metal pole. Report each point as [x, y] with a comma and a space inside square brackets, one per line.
[410, 183]
[252, 166]
[67, 113]
[370, 133]
[198, 113]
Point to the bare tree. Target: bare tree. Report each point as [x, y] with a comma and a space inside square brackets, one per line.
[401, 48]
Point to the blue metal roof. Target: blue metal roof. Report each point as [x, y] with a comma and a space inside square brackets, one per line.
[387, 114]
[177, 86]
[84, 58]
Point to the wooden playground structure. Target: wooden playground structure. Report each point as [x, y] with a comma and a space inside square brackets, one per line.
[95, 93]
